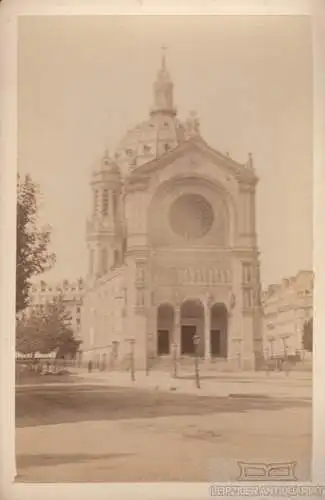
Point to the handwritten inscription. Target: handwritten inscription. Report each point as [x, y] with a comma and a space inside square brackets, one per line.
[192, 276]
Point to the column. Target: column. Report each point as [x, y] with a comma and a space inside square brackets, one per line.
[152, 332]
[207, 331]
[177, 328]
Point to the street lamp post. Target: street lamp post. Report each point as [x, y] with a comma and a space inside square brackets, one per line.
[196, 340]
[149, 355]
[174, 355]
[284, 339]
[148, 358]
[271, 340]
[132, 367]
[238, 343]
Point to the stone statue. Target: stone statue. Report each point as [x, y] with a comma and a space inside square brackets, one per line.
[209, 299]
[192, 125]
[191, 273]
[232, 300]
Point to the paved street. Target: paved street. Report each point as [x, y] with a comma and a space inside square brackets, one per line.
[93, 431]
[276, 384]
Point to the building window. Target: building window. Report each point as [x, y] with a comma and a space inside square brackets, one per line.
[78, 310]
[96, 200]
[105, 202]
[91, 261]
[78, 322]
[247, 273]
[114, 200]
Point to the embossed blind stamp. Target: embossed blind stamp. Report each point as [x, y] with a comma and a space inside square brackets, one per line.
[255, 471]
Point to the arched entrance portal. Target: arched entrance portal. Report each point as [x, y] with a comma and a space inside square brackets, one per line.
[219, 331]
[165, 325]
[192, 323]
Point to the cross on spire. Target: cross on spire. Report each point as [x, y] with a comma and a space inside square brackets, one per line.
[163, 88]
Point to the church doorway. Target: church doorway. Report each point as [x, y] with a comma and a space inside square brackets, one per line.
[215, 343]
[192, 323]
[165, 324]
[219, 331]
[187, 339]
[163, 342]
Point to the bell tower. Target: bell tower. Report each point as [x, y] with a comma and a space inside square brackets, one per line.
[103, 225]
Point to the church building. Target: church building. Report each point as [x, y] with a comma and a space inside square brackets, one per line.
[173, 258]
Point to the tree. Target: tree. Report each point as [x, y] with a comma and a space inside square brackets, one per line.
[29, 338]
[32, 255]
[47, 330]
[307, 339]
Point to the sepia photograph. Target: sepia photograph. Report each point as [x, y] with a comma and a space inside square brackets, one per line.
[164, 277]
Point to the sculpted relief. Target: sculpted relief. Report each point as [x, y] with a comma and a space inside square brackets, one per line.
[174, 276]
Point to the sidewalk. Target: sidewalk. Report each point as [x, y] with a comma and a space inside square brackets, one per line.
[275, 385]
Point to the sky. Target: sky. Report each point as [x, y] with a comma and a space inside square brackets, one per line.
[84, 81]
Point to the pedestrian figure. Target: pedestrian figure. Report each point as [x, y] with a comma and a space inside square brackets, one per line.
[90, 366]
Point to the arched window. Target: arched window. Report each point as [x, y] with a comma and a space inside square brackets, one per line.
[114, 200]
[96, 200]
[105, 202]
[91, 261]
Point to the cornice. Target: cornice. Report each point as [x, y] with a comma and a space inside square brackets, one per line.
[240, 172]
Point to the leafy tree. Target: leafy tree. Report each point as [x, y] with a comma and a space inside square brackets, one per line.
[47, 330]
[29, 338]
[307, 339]
[32, 255]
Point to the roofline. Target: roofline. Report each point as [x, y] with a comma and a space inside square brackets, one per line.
[197, 141]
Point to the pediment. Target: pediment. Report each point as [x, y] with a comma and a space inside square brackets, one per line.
[241, 172]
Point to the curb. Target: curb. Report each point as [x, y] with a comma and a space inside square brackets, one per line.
[200, 392]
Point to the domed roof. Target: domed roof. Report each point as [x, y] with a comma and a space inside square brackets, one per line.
[154, 137]
[149, 140]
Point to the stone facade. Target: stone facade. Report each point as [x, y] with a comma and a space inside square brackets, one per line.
[287, 306]
[172, 246]
[72, 293]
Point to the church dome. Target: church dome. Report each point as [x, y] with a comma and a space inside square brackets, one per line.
[156, 136]
[149, 140]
